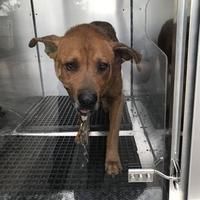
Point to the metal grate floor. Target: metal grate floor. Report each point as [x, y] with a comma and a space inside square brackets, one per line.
[43, 165]
[57, 114]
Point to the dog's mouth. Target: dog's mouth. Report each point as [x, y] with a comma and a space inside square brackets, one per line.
[81, 110]
[84, 111]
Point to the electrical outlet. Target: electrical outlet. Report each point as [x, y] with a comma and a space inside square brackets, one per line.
[140, 175]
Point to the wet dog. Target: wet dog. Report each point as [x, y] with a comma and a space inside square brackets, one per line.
[88, 62]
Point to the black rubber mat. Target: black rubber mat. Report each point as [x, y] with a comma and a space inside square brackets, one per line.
[39, 165]
[57, 114]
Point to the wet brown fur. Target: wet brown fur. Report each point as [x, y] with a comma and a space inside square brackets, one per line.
[89, 44]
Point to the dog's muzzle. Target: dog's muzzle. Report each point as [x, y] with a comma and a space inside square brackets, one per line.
[87, 101]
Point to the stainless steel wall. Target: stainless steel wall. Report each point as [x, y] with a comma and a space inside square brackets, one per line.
[194, 166]
[55, 17]
[19, 71]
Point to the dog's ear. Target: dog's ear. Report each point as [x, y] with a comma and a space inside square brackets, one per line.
[126, 53]
[51, 44]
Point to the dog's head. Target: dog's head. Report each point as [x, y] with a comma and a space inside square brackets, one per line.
[86, 62]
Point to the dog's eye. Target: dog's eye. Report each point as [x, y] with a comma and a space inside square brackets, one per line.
[71, 66]
[101, 67]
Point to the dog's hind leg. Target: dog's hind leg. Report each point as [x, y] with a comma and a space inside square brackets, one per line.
[113, 164]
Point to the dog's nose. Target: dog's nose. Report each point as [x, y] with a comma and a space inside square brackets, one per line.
[87, 99]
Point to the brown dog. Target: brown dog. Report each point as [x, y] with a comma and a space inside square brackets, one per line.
[88, 62]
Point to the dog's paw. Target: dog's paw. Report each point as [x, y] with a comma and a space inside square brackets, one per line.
[113, 167]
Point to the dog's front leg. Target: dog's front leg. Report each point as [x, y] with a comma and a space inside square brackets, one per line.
[113, 164]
